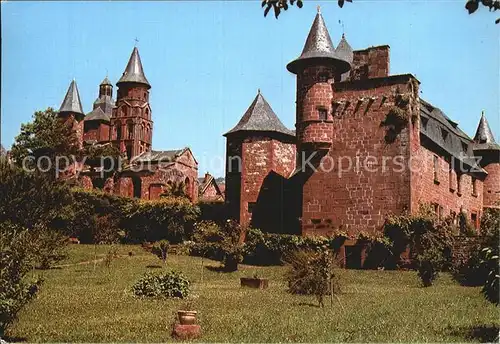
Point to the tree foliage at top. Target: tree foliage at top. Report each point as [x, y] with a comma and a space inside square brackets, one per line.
[279, 5]
[47, 136]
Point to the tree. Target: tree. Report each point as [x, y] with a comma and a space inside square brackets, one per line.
[278, 5]
[45, 136]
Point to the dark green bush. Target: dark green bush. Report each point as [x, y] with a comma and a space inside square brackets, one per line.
[271, 249]
[491, 288]
[171, 284]
[48, 246]
[16, 260]
[167, 218]
[223, 243]
[213, 211]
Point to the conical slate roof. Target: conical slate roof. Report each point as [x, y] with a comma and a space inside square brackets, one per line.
[71, 102]
[106, 82]
[260, 117]
[484, 138]
[344, 50]
[134, 72]
[319, 47]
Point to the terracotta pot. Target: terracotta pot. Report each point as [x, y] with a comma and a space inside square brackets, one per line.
[187, 317]
[258, 283]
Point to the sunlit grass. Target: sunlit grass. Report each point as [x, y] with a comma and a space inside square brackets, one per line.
[92, 303]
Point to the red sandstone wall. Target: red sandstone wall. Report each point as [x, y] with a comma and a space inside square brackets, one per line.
[442, 192]
[260, 156]
[359, 199]
[103, 132]
[491, 196]
[369, 63]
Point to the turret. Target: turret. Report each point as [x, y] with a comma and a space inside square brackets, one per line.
[131, 124]
[71, 111]
[488, 151]
[97, 122]
[258, 145]
[316, 68]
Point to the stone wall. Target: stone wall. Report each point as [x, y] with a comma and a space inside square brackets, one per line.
[373, 62]
[491, 195]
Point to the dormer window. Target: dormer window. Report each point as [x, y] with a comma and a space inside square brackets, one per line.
[464, 147]
[444, 134]
[424, 122]
[322, 114]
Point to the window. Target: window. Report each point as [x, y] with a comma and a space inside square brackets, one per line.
[459, 184]
[473, 219]
[251, 207]
[129, 152]
[234, 164]
[474, 186]
[435, 168]
[464, 147]
[450, 180]
[130, 131]
[323, 114]
[323, 77]
[424, 122]
[118, 131]
[453, 217]
[444, 134]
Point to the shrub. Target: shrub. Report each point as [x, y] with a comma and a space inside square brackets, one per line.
[429, 239]
[213, 211]
[16, 260]
[167, 218]
[160, 249]
[491, 290]
[312, 272]
[48, 245]
[271, 249]
[221, 243]
[171, 284]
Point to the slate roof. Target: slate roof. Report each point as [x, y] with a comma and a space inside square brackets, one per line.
[344, 50]
[72, 102]
[97, 115]
[156, 156]
[260, 117]
[106, 82]
[319, 46]
[446, 134]
[484, 139]
[134, 71]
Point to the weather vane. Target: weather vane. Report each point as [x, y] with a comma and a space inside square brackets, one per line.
[136, 41]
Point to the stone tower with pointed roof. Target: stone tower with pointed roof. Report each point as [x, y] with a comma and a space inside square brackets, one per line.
[71, 111]
[488, 150]
[318, 65]
[131, 124]
[257, 146]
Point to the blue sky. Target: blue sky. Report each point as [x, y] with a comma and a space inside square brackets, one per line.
[205, 60]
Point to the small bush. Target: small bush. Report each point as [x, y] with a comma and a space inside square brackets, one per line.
[160, 249]
[171, 284]
[312, 272]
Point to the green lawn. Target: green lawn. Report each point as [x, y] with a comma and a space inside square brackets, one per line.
[92, 303]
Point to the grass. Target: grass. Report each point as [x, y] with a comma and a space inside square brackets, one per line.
[92, 303]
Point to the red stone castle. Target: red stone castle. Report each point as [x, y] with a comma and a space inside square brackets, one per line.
[127, 125]
[365, 145]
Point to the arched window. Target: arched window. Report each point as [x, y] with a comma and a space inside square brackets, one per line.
[118, 131]
[130, 129]
[187, 187]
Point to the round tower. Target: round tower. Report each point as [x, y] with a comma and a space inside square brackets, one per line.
[71, 111]
[488, 150]
[315, 68]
